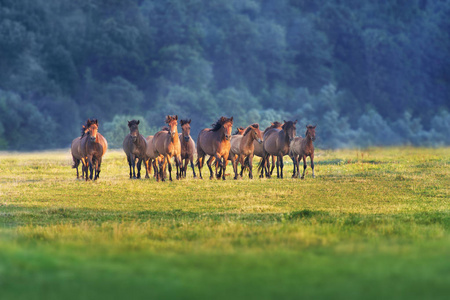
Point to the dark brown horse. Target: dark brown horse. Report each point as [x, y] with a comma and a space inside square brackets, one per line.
[215, 142]
[276, 142]
[243, 147]
[92, 148]
[167, 144]
[135, 147]
[75, 150]
[301, 148]
[187, 147]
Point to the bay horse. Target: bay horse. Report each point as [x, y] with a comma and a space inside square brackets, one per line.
[167, 143]
[215, 142]
[152, 158]
[135, 147]
[276, 142]
[301, 148]
[187, 147]
[259, 150]
[93, 146]
[243, 147]
[236, 135]
[75, 151]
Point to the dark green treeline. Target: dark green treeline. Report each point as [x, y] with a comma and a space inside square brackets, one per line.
[367, 72]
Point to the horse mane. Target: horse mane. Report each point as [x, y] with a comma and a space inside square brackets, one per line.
[255, 125]
[132, 123]
[222, 120]
[165, 128]
[88, 124]
[186, 121]
[170, 118]
[287, 125]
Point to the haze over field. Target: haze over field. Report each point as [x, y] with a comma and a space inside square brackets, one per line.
[367, 72]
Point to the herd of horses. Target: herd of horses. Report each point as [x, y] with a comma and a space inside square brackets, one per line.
[218, 142]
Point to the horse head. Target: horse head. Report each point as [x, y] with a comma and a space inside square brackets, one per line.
[239, 131]
[289, 128]
[133, 125]
[311, 132]
[92, 129]
[256, 133]
[186, 129]
[228, 126]
[172, 121]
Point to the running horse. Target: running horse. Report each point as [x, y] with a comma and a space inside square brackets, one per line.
[301, 148]
[75, 151]
[167, 143]
[215, 142]
[92, 147]
[277, 142]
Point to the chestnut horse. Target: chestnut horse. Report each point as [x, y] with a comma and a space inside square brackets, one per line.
[243, 147]
[92, 148]
[276, 142]
[301, 148]
[135, 147]
[236, 135]
[215, 142]
[76, 155]
[167, 144]
[187, 147]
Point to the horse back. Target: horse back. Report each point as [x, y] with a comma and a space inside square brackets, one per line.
[235, 144]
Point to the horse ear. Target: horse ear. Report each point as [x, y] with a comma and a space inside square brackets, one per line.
[284, 121]
[231, 119]
[315, 126]
[189, 122]
[96, 121]
[137, 122]
[176, 117]
[295, 122]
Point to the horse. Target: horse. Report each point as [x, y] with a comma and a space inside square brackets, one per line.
[300, 148]
[76, 155]
[259, 150]
[276, 142]
[243, 147]
[187, 147]
[236, 135]
[215, 142]
[167, 143]
[152, 158]
[135, 147]
[92, 147]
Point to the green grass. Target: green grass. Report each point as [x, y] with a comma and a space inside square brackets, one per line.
[374, 223]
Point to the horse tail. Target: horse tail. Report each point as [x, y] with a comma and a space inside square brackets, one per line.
[261, 164]
[246, 165]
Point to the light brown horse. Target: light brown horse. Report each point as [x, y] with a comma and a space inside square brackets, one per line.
[187, 147]
[276, 142]
[135, 147]
[215, 142]
[243, 147]
[76, 155]
[93, 146]
[301, 148]
[167, 143]
[152, 158]
[236, 135]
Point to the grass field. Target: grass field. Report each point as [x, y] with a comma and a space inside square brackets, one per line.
[373, 224]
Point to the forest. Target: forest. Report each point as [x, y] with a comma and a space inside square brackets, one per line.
[368, 73]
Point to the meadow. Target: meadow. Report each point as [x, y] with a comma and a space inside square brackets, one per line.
[374, 223]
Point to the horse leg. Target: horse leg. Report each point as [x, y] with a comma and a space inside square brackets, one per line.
[139, 167]
[200, 165]
[304, 166]
[167, 159]
[250, 166]
[192, 165]
[273, 164]
[224, 165]
[179, 163]
[209, 162]
[278, 167]
[312, 165]
[234, 163]
[281, 166]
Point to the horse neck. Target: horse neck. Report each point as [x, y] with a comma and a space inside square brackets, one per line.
[284, 136]
[248, 140]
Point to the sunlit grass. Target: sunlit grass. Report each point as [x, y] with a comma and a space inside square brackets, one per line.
[374, 223]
